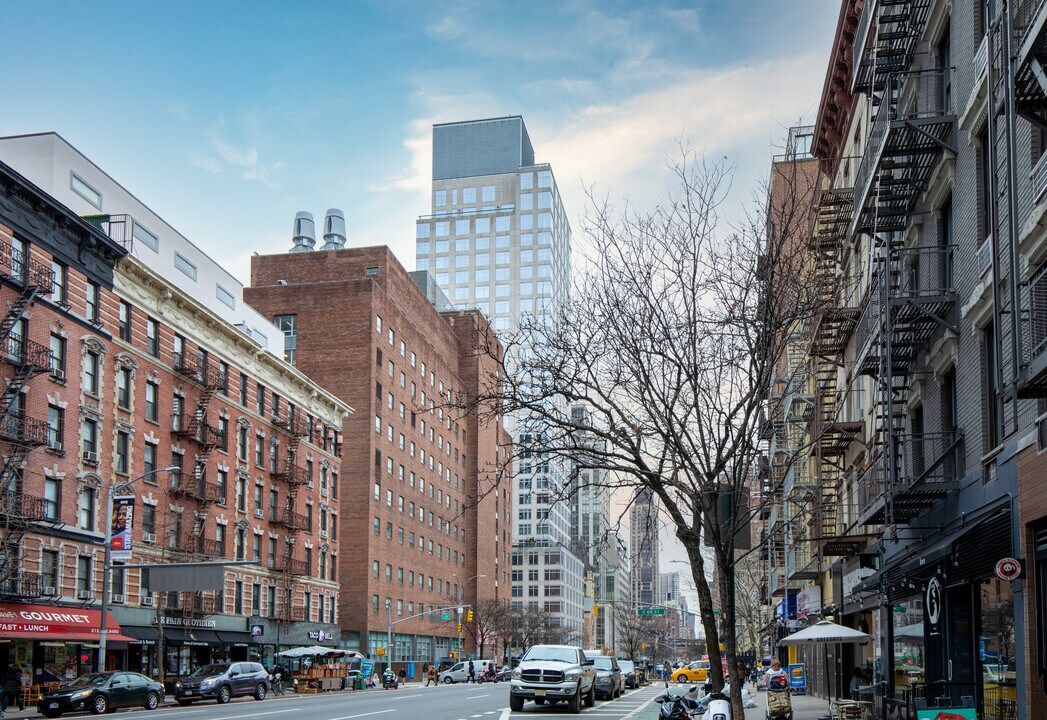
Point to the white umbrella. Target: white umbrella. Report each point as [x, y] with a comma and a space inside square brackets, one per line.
[317, 650]
[823, 633]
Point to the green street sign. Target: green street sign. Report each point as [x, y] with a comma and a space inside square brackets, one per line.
[650, 611]
[900, 609]
[445, 616]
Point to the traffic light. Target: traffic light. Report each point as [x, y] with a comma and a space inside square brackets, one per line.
[469, 616]
[380, 651]
[596, 610]
[459, 627]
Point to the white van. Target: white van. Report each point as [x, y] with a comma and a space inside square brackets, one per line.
[460, 671]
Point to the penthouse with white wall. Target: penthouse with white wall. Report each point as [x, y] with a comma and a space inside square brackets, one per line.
[64, 173]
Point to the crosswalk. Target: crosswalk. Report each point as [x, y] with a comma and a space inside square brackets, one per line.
[623, 708]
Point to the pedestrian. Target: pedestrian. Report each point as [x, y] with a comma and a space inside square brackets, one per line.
[12, 688]
[776, 671]
[472, 672]
[403, 675]
[430, 675]
[858, 683]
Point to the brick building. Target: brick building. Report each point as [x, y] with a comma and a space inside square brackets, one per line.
[230, 452]
[430, 520]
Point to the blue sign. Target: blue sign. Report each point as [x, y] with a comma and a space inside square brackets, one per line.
[366, 668]
[797, 676]
[410, 670]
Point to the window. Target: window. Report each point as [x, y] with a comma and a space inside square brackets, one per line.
[149, 519]
[57, 356]
[149, 454]
[52, 497]
[91, 313]
[219, 536]
[86, 509]
[152, 391]
[152, 337]
[243, 389]
[991, 394]
[58, 291]
[55, 426]
[502, 223]
[145, 237]
[123, 388]
[288, 325]
[225, 297]
[83, 574]
[89, 436]
[88, 193]
[260, 404]
[984, 196]
[187, 268]
[123, 448]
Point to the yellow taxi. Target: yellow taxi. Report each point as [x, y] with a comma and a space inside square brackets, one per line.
[698, 671]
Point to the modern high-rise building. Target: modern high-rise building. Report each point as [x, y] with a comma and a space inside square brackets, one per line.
[498, 239]
[643, 548]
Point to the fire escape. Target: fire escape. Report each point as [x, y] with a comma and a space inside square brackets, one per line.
[19, 433]
[199, 488]
[295, 427]
[911, 297]
[834, 325]
[1029, 88]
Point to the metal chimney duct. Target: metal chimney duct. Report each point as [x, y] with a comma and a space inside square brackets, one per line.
[334, 230]
[304, 233]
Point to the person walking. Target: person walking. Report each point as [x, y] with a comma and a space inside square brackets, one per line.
[472, 672]
[430, 675]
[12, 689]
[403, 675]
[776, 671]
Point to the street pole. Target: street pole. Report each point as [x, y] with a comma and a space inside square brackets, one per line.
[389, 633]
[461, 604]
[107, 562]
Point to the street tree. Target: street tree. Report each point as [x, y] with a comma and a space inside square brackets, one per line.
[677, 326]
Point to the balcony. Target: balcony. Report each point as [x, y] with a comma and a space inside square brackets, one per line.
[118, 228]
[201, 489]
[289, 519]
[291, 474]
[23, 430]
[928, 468]
[289, 565]
[887, 35]
[23, 585]
[20, 352]
[294, 423]
[910, 131]
[194, 544]
[798, 565]
[206, 374]
[17, 506]
[197, 429]
[1033, 376]
[25, 271]
[835, 522]
[1030, 86]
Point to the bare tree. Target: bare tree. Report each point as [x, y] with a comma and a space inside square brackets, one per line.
[635, 633]
[677, 327]
[491, 619]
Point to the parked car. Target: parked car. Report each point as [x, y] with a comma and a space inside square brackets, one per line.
[630, 673]
[223, 682]
[103, 692]
[609, 680]
[553, 673]
[460, 672]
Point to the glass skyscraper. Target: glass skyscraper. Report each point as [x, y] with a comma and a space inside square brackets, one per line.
[498, 239]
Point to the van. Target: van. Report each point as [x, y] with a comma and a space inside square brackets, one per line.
[460, 671]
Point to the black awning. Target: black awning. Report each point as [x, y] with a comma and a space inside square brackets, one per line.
[235, 638]
[143, 635]
[191, 636]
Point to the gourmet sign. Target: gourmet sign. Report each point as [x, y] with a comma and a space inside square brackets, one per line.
[29, 621]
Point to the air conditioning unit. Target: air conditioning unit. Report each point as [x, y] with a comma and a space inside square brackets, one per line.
[323, 534]
[50, 590]
[258, 512]
[118, 598]
[83, 595]
[55, 447]
[149, 537]
[57, 374]
[90, 458]
[146, 601]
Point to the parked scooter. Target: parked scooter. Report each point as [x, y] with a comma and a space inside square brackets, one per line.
[678, 707]
[389, 680]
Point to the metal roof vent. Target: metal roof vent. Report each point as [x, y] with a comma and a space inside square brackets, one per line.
[304, 233]
[334, 230]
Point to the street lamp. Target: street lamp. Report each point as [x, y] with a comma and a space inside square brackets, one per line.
[461, 598]
[107, 564]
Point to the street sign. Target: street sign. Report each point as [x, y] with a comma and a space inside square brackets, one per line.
[650, 611]
[445, 616]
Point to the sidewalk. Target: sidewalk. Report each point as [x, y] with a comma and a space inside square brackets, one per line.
[805, 707]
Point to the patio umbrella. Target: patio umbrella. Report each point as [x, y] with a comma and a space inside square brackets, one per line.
[317, 650]
[823, 633]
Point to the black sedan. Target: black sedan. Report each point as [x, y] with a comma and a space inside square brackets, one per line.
[102, 692]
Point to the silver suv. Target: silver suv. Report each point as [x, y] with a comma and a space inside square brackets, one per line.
[554, 673]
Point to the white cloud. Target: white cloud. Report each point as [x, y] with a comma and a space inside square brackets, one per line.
[205, 162]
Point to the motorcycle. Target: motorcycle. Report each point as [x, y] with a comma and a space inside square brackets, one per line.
[678, 707]
[488, 676]
[717, 706]
[389, 680]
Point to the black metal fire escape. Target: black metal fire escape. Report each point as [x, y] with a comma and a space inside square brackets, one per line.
[19, 433]
[295, 427]
[911, 296]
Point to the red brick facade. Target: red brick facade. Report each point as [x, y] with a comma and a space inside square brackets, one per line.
[412, 533]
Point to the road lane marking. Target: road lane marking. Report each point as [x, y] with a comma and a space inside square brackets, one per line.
[505, 714]
[474, 697]
[259, 714]
[348, 717]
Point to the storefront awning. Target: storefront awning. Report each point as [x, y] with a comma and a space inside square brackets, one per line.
[234, 638]
[20, 621]
[192, 637]
[141, 635]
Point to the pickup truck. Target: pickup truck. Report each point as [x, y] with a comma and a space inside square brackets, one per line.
[553, 673]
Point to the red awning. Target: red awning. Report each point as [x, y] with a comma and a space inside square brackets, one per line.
[20, 621]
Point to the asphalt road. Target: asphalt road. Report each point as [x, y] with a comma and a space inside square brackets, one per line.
[489, 701]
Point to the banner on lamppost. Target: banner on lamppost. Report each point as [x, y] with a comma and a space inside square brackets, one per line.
[123, 527]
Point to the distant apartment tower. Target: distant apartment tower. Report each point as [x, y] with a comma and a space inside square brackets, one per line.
[643, 547]
[498, 239]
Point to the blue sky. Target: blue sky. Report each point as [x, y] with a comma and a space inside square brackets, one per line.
[228, 117]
